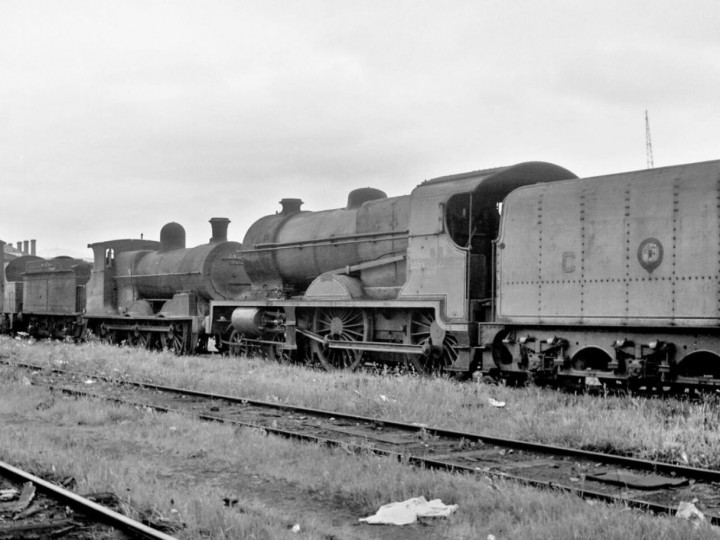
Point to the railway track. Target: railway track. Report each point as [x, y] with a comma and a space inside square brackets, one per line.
[653, 486]
[36, 508]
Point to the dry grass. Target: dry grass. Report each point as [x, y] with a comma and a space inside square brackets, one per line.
[670, 430]
[170, 466]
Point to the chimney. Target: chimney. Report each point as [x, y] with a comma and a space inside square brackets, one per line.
[32, 247]
[290, 206]
[26, 248]
[19, 246]
[219, 229]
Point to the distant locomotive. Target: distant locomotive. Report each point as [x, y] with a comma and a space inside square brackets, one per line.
[157, 294]
[140, 292]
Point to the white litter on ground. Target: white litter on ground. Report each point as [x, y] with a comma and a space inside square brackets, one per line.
[407, 512]
[687, 510]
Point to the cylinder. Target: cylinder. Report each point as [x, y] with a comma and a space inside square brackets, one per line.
[248, 321]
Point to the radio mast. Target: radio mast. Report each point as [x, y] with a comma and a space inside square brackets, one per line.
[648, 142]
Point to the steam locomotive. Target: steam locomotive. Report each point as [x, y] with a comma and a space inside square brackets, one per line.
[523, 272]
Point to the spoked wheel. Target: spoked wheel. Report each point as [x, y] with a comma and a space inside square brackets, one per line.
[108, 337]
[275, 352]
[175, 339]
[339, 324]
[139, 339]
[439, 345]
[237, 346]
[40, 329]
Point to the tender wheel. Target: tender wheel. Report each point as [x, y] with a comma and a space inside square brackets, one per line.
[175, 339]
[704, 365]
[439, 345]
[590, 358]
[339, 324]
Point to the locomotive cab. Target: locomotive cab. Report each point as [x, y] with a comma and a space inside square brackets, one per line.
[471, 220]
[454, 221]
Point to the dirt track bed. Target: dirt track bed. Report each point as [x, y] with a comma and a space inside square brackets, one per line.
[213, 481]
[27, 512]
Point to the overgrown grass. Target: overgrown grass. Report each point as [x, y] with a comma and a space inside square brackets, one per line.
[173, 467]
[670, 430]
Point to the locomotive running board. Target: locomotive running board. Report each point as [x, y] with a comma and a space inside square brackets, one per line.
[376, 346]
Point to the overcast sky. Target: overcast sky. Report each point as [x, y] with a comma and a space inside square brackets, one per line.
[117, 117]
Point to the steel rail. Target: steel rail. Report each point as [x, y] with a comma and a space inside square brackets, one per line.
[86, 506]
[420, 461]
[708, 475]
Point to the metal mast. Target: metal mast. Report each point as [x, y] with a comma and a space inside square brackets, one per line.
[648, 142]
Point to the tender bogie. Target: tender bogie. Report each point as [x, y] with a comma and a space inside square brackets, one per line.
[658, 356]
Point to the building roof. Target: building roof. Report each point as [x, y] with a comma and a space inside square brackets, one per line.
[11, 252]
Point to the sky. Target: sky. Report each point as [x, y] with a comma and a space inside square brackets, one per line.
[119, 116]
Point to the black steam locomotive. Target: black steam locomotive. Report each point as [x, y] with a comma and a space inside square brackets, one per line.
[520, 272]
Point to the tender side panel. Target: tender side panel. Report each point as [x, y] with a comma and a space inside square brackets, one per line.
[560, 286]
[50, 293]
[696, 248]
[635, 248]
[648, 218]
[518, 254]
[600, 263]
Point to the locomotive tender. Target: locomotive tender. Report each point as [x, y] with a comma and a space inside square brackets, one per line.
[520, 272]
[613, 277]
[44, 298]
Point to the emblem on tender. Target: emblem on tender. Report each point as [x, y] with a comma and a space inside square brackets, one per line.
[650, 254]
